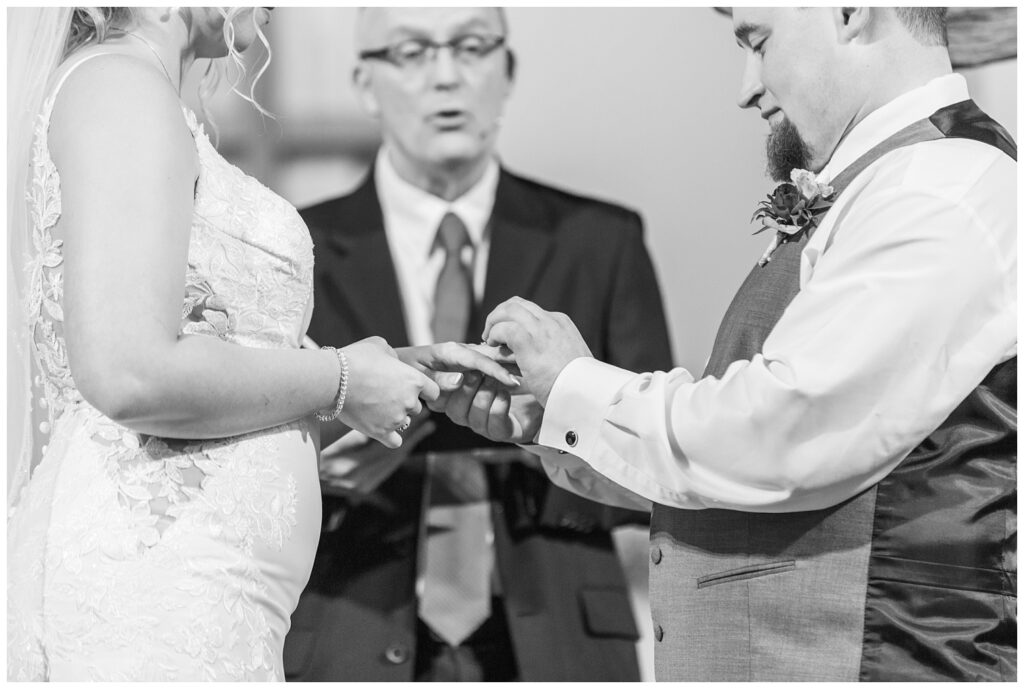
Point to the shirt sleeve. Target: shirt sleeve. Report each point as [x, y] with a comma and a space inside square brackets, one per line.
[911, 305]
[568, 471]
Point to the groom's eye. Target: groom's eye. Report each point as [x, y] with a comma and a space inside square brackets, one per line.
[759, 47]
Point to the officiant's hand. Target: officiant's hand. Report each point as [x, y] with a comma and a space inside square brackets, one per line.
[492, 410]
[542, 342]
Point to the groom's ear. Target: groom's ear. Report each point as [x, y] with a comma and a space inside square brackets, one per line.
[851, 22]
[362, 79]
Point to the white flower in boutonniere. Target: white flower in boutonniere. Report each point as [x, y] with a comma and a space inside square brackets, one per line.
[792, 209]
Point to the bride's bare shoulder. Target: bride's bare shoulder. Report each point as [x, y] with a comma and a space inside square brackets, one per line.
[110, 97]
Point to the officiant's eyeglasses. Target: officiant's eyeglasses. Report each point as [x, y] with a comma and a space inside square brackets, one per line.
[416, 53]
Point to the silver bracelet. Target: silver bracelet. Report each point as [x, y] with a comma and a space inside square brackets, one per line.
[342, 387]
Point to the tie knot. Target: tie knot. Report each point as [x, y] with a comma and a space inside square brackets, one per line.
[452, 234]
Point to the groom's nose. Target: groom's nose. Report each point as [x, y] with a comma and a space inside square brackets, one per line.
[751, 88]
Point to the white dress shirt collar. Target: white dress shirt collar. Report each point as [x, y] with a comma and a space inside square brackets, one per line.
[904, 110]
[411, 209]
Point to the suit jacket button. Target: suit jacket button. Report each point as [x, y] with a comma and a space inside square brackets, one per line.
[396, 654]
[655, 554]
[658, 632]
[571, 439]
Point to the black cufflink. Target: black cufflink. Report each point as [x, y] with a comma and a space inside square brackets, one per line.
[570, 438]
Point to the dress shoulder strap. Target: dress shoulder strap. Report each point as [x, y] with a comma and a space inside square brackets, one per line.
[47, 111]
[48, 106]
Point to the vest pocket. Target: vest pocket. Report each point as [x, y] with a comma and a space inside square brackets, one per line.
[749, 572]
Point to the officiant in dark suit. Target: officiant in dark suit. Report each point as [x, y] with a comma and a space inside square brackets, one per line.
[452, 558]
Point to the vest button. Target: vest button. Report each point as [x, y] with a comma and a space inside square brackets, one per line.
[658, 632]
[571, 439]
[396, 654]
[655, 554]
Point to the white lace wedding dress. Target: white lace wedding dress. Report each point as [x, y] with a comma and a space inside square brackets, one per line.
[132, 557]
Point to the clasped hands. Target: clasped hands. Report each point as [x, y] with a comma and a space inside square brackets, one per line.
[498, 388]
[533, 344]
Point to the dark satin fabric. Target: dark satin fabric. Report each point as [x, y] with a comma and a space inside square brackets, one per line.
[942, 579]
[965, 120]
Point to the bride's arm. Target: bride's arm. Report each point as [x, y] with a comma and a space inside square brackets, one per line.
[128, 167]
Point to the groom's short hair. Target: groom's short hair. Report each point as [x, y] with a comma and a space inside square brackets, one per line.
[926, 24]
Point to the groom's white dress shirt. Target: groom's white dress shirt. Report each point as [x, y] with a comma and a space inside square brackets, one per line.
[908, 299]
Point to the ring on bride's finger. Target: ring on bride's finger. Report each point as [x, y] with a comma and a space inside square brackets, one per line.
[403, 428]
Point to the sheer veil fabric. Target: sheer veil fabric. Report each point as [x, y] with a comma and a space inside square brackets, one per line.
[35, 46]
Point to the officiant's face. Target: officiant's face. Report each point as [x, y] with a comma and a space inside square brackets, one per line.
[792, 76]
[438, 108]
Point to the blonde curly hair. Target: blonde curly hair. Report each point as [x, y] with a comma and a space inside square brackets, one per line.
[94, 25]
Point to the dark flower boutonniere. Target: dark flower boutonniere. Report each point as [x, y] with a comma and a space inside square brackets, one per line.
[792, 209]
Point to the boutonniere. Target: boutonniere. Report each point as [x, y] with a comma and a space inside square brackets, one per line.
[792, 209]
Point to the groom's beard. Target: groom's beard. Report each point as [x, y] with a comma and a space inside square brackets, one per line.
[786, 151]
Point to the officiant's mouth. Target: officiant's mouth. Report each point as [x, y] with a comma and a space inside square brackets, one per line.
[449, 119]
[768, 114]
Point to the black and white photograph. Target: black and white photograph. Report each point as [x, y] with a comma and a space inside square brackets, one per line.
[492, 344]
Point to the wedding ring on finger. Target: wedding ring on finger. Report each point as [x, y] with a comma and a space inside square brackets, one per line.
[404, 427]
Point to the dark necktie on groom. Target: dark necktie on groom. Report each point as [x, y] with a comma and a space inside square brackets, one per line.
[456, 595]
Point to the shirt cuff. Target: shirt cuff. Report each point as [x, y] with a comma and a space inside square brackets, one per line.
[578, 403]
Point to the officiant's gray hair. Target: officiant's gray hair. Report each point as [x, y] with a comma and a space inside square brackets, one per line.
[926, 24]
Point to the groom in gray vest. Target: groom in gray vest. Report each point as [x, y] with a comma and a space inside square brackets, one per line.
[835, 499]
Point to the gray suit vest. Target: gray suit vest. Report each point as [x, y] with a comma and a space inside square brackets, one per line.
[872, 588]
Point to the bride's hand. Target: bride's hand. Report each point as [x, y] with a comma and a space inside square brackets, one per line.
[446, 361]
[383, 392]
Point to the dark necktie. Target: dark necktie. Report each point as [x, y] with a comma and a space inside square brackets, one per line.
[456, 595]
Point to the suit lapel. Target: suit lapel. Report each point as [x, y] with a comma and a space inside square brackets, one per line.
[362, 268]
[520, 242]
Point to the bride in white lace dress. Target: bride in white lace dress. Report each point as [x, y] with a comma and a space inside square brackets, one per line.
[171, 524]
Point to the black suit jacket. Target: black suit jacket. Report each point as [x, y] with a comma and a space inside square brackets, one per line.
[564, 590]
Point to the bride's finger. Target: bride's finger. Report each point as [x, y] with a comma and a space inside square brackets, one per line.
[500, 353]
[459, 357]
[392, 440]
[429, 390]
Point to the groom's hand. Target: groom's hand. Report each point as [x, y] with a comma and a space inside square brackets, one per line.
[542, 342]
[491, 410]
